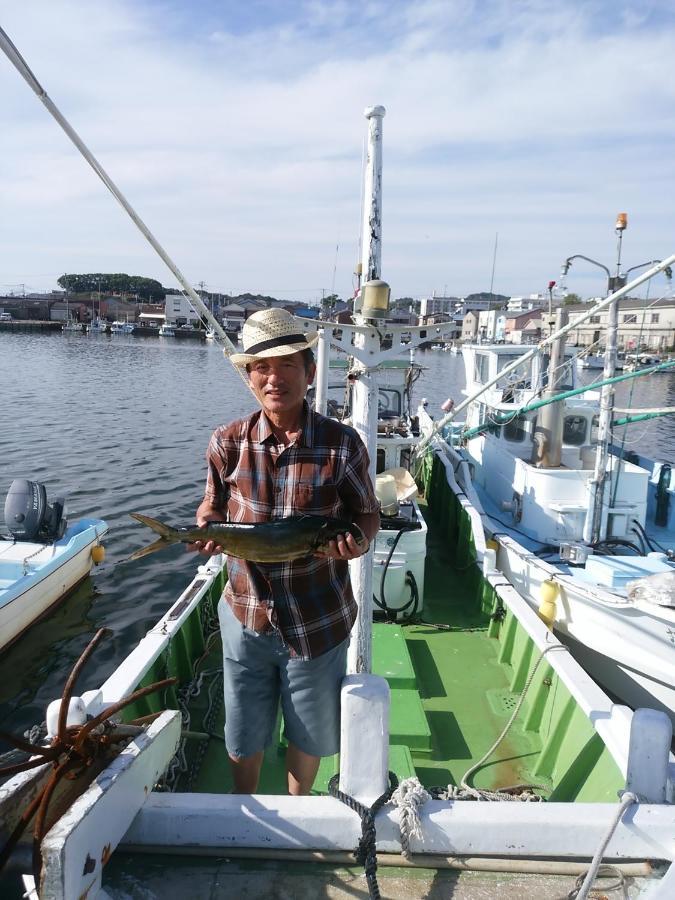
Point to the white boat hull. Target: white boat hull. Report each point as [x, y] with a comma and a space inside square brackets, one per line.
[628, 649]
[35, 577]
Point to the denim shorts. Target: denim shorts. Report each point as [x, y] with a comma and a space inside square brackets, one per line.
[259, 671]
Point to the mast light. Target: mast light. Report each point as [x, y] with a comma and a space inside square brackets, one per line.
[621, 222]
[375, 299]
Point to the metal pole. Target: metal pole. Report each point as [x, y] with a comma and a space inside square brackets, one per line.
[371, 260]
[595, 524]
[322, 370]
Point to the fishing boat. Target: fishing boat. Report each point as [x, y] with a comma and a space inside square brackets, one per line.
[71, 325]
[461, 695]
[119, 327]
[42, 557]
[595, 361]
[166, 330]
[580, 527]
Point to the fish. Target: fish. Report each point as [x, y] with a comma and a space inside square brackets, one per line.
[278, 540]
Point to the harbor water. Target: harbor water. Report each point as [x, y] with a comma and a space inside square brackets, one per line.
[120, 424]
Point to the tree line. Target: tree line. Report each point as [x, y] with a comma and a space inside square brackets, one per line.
[118, 283]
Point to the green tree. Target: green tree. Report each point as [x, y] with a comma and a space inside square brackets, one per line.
[113, 283]
[571, 300]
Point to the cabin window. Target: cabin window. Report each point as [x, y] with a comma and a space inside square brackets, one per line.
[481, 368]
[515, 430]
[520, 377]
[404, 459]
[574, 430]
[380, 465]
[388, 404]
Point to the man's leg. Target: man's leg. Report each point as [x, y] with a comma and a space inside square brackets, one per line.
[310, 701]
[301, 769]
[246, 772]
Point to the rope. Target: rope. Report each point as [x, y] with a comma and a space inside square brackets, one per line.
[502, 795]
[582, 893]
[366, 851]
[409, 796]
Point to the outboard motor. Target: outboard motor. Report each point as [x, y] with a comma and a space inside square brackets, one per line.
[29, 517]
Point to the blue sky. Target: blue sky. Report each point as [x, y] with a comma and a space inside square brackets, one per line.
[236, 130]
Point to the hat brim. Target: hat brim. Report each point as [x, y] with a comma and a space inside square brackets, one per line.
[244, 359]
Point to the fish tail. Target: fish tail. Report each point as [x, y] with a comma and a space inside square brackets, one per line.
[167, 534]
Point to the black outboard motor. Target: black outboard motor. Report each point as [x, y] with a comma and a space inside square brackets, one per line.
[29, 517]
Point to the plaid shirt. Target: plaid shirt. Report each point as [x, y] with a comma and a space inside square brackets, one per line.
[323, 472]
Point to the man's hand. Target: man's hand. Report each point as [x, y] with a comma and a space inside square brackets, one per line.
[205, 514]
[345, 546]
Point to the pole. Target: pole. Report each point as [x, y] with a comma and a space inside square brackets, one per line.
[371, 260]
[596, 518]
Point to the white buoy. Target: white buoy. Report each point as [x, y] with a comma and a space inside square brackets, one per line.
[77, 715]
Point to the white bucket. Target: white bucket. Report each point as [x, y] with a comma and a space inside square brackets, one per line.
[385, 491]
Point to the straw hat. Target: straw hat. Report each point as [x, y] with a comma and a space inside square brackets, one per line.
[271, 332]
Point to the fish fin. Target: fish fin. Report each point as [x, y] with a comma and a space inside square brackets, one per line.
[167, 536]
[155, 524]
[151, 548]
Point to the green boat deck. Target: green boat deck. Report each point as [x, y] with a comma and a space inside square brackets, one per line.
[455, 676]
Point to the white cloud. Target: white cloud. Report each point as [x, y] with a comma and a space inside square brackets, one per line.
[240, 143]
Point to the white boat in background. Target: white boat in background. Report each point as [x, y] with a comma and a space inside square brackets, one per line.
[72, 326]
[166, 330]
[42, 559]
[99, 326]
[125, 327]
[528, 468]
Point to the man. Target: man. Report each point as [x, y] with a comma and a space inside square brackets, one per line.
[285, 626]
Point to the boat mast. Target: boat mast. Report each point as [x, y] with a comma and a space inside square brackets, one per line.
[365, 390]
[371, 249]
[595, 525]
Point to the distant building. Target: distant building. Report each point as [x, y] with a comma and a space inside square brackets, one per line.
[643, 324]
[233, 316]
[434, 306]
[491, 325]
[523, 327]
[520, 304]
[470, 326]
[179, 311]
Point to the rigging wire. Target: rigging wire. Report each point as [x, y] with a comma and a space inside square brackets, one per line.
[20, 64]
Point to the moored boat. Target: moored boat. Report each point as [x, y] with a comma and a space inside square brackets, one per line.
[527, 459]
[42, 559]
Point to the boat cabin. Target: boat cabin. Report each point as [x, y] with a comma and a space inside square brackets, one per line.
[547, 502]
[397, 429]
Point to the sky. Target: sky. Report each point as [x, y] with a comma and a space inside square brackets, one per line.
[514, 134]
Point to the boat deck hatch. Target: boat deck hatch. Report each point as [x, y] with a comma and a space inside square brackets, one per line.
[617, 571]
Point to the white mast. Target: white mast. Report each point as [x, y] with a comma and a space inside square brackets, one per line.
[371, 249]
[365, 390]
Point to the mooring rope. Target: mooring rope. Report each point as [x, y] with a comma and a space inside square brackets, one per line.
[366, 851]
